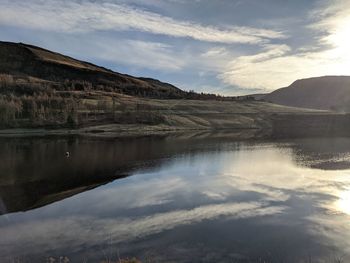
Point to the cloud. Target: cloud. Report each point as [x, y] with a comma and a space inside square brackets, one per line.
[141, 54]
[334, 25]
[260, 70]
[126, 33]
[85, 16]
[115, 52]
[277, 66]
[215, 58]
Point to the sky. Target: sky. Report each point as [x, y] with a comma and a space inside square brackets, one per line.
[228, 47]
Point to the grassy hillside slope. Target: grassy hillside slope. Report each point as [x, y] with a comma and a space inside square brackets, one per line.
[327, 93]
[34, 65]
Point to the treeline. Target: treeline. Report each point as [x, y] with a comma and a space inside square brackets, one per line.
[209, 96]
[29, 86]
[10, 109]
[37, 110]
[41, 110]
[31, 102]
[24, 85]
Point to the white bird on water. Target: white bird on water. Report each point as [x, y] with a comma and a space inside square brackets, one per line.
[67, 154]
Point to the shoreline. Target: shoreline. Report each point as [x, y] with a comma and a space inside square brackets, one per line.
[125, 131]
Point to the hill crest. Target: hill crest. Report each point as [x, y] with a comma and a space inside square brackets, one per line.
[23, 60]
[325, 93]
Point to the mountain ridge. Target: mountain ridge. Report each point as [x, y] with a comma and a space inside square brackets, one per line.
[20, 59]
[324, 93]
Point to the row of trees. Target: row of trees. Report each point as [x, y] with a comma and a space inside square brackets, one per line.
[29, 86]
[70, 102]
[10, 110]
[38, 109]
[44, 110]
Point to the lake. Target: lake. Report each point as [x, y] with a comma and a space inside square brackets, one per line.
[175, 199]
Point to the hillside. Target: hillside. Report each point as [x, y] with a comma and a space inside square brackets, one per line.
[326, 93]
[43, 92]
[41, 88]
[28, 64]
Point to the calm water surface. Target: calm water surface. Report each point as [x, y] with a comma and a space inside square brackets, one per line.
[175, 199]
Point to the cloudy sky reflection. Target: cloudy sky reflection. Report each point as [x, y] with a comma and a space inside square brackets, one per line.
[259, 187]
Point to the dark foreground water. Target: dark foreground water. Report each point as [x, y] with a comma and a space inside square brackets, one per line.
[175, 200]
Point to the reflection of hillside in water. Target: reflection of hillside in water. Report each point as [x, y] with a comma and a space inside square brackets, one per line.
[36, 172]
[182, 191]
[325, 154]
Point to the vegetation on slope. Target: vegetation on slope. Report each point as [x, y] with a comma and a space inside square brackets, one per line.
[40, 88]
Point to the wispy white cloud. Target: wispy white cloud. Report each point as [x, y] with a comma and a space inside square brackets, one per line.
[141, 54]
[262, 66]
[334, 24]
[117, 52]
[216, 58]
[277, 66]
[84, 16]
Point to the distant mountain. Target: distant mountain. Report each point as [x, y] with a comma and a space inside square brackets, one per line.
[326, 93]
[34, 65]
